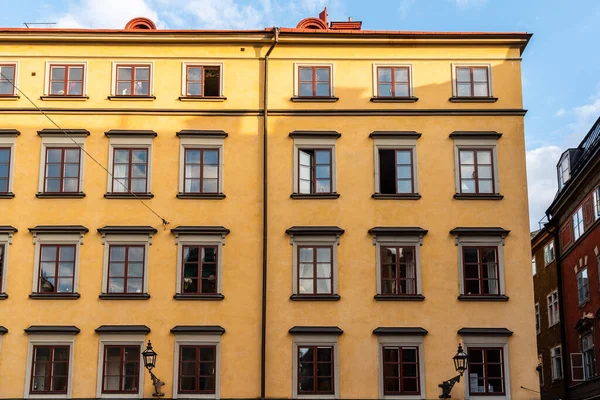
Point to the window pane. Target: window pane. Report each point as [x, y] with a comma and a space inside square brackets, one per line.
[4, 155]
[306, 74]
[484, 157]
[135, 270]
[134, 285]
[3, 185]
[123, 89]
[57, 88]
[384, 74]
[136, 254]
[322, 74]
[115, 285]
[192, 157]
[323, 186]
[401, 90]
[71, 170]
[48, 253]
[401, 75]
[75, 88]
[322, 156]
[141, 88]
[117, 253]
[484, 172]
[121, 156]
[8, 72]
[480, 89]
[323, 254]
[76, 73]
[306, 254]
[468, 186]
[324, 286]
[480, 74]
[194, 89]
[211, 157]
[305, 187]
[194, 73]
[463, 90]
[306, 89]
[322, 89]
[138, 171]
[6, 87]
[463, 74]
[142, 74]
[57, 74]
[467, 157]
[65, 285]
[404, 186]
[124, 73]
[306, 286]
[54, 155]
[404, 172]
[211, 171]
[384, 89]
[485, 186]
[117, 269]
[72, 155]
[467, 172]
[323, 172]
[138, 185]
[323, 270]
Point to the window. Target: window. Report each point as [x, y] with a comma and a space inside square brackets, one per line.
[66, 80]
[49, 374]
[486, 371]
[557, 369]
[314, 81]
[398, 270]
[396, 171]
[314, 164]
[393, 81]
[476, 171]
[315, 275]
[472, 81]
[8, 74]
[130, 170]
[583, 286]
[197, 365]
[6, 234]
[533, 266]
[589, 360]
[62, 170]
[549, 253]
[315, 370]
[126, 269]
[132, 79]
[553, 314]
[578, 223]
[57, 269]
[199, 270]
[5, 169]
[400, 370]
[563, 170]
[596, 203]
[121, 369]
[537, 319]
[540, 369]
[481, 270]
[201, 171]
[203, 80]
[2, 262]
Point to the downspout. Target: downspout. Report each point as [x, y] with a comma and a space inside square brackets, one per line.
[263, 335]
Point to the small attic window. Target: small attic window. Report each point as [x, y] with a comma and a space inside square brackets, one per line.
[138, 24]
[563, 170]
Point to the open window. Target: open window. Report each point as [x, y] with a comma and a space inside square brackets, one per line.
[202, 80]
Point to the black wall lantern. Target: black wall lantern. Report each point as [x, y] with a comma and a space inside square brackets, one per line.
[150, 362]
[460, 365]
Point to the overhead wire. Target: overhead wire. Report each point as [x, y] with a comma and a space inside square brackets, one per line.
[163, 220]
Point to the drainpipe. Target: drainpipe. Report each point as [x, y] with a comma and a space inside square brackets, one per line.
[263, 336]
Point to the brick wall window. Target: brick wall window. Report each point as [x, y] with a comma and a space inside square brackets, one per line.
[66, 80]
[583, 286]
[7, 79]
[202, 81]
[481, 275]
[197, 368]
[201, 171]
[596, 200]
[314, 81]
[537, 319]
[133, 80]
[57, 269]
[130, 170]
[315, 370]
[200, 270]
[315, 171]
[62, 170]
[393, 81]
[578, 223]
[50, 370]
[126, 269]
[557, 368]
[589, 358]
[400, 371]
[472, 81]
[533, 266]
[549, 253]
[315, 270]
[398, 270]
[486, 371]
[476, 171]
[553, 314]
[121, 369]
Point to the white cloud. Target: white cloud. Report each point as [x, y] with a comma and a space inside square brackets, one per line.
[106, 14]
[466, 3]
[560, 112]
[225, 14]
[541, 178]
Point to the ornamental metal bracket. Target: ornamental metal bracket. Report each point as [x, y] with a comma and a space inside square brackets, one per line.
[447, 386]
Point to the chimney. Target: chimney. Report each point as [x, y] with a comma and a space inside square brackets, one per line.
[323, 16]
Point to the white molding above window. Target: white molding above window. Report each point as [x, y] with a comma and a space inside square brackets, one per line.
[316, 340]
[402, 341]
[210, 339]
[120, 340]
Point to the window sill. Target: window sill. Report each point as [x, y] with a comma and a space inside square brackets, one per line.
[199, 297]
[9, 195]
[468, 196]
[315, 297]
[64, 98]
[60, 195]
[124, 296]
[13, 97]
[314, 99]
[3, 296]
[397, 297]
[54, 296]
[201, 196]
[201, 98]
[411, 99]
[128, 196]
[399, 196]
[142, 98]
[464, 297]
[314, 196]
[473, 99]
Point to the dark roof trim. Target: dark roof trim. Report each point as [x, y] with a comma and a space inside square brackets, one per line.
[479, 231]
[127, 230]
[315, 134]
[314, 230]
[475, 135]
[484, 332]
[200, 230]
[123, 329]
[8, 229]
[316, 330]
[9, 132]
[395, 135]
[391, 331]
[136, 133]
[59, 229]
[202, 133]
[3, 330]
[61, 132]
[398, 231]
[53, 329]
[198, 329]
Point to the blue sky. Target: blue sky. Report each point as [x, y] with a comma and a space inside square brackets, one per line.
[561, 83]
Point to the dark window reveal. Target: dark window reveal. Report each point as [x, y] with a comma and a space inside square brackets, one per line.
[57, 269]
[50, 369]
[315, 370]
[314, 171]
[486, 371]
[62, 170]
[315, 270]
[4, 169]
[121, 369]
[400, 371]
[203, 81]
[201, 171]
[481, 270]
[199, 270]
[130, 171]
[197, 369]
[395, 171]
[398, 270]
[126, 269]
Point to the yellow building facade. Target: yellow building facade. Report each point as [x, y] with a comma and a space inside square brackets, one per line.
[394, 226]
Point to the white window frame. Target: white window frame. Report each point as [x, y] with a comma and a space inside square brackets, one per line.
[315, 240]
[489, 69]
[113, 81]
[211, 143]
[483, 342]
[10, 141]
[317, 144]
[120, 340]
[117, 239]
[478, 241]
[201, 63]
[197, 340]
[538, 320]
[549, 254]
[463, 143]
[297, 76]
[42, 339]
[5, 241]
[68, 63]
[63, 141]
[402, 341]
[553, 357]
[15, 80]
[579, 277]
[534, 266]
[415, 241]
[564, 168]
[578, 225]
[396, 144]
[129, 142]
[583, 355]
[301, 340]
[551, 314]
[41, 238]
[393, 65]
[596, 200]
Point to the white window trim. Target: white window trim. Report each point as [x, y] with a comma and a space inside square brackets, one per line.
[538, 319]
[200, 143]
[489, 341]
[396, 144]
[578, 229]
[596, 201]
[547, 250]
[120, 340]
[142, 239]
[314, 143]
[556, 378]
[402, 341]
[130, 142]
[489, 69]
[10, 141]
[534, 266]
[564, 159]
[16, 78]
[399, 241]
[63, 141]
[548, 301]
[40, 239]
[491, 241]
[470, 144]
[331, 75]
[113, 81]
[410, 78]
[199, 240]
[6, 241]
[581, 302]
[591, 334]
[201, 63]
[321, 240]
[316, 340]
[41, 339]
[68, 63]
[197, 340]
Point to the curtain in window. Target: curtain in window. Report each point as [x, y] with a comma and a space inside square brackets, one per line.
[492, 273]
[410, 272]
